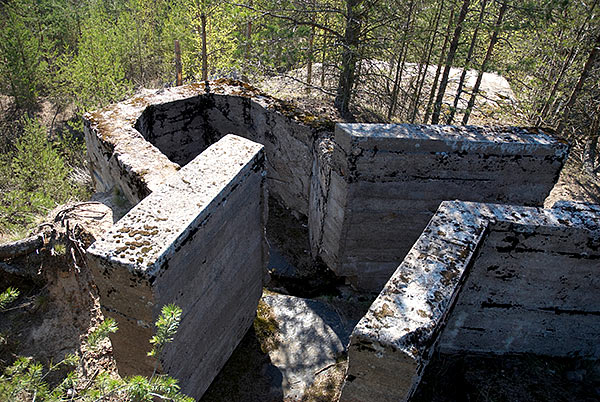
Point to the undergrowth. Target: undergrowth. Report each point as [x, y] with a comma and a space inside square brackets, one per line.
[37, 174]
[26, 379]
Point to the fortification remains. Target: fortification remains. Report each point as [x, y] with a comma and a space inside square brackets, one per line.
[482, 278]
[377, 186]
[366, 192]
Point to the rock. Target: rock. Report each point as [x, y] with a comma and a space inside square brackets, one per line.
[312, 338]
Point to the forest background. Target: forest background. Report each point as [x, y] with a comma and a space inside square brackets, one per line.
[390, 59]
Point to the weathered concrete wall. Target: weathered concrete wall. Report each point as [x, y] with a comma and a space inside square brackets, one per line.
[179, 123]
[196, 241]
[392, 344]
[377, 186]
[531, 289]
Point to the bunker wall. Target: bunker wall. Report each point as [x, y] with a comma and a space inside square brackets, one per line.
[531, 289]
[408, 320]
[173, 126]
[198, 242]
[384, 182]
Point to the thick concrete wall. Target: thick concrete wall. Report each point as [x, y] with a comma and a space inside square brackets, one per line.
[531, 289]
[196, 241]
[378, 186]
[137, 143]
[393, 342]
[182, 129]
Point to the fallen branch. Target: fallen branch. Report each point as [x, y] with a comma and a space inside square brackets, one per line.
[22, 247]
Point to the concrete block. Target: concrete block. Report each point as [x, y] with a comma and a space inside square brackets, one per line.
[481, 278]
[196, 241]
[137, 144]
[397, 173]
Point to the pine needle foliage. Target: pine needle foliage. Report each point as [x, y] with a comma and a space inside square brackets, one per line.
[25, 379]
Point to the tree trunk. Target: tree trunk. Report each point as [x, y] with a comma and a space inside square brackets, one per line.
[349, 59]
[400, 64]
[437, 107]
[204, 53]
[488, 56]
[584, 75]
[323, 59]
[311, 41]
[439, 69]
[178, 69]
[420, 83]
[247, 49]
[461, 81]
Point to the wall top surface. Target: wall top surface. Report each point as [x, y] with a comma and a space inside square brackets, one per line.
[415, 299]
[145, 238]
[507, 139]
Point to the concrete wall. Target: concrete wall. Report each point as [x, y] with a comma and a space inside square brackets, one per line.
[531, 289]
[196, 241]
[137, 143]
[393, 342]
[377, 186]
[184, 128]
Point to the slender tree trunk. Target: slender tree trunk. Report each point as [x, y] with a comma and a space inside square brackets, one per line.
[139, 52]
[488, 56]
[420, 83]
[349, 59]
[437, 107]
[311, 41]
[245, 67]
[461, 81]
[591, 147]
[439, 68]
[400, 64]
[204, 52]
[587, 68]
[178, 67]
[323, 59]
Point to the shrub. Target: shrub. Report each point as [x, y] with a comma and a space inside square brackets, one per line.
[35, 178]
[25, 379]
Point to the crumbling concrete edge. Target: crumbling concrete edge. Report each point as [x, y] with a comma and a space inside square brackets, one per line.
[398, 334]
[121, 157]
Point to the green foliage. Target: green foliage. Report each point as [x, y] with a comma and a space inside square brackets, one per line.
[107, 327]
[25, 379]
[94, 74]
[7, 297]
[34, 179]
[166, 327]
[21, 63]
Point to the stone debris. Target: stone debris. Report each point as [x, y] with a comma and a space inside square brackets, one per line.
[312, 337]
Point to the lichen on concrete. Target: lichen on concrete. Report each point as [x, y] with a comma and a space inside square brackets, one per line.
[398, 334]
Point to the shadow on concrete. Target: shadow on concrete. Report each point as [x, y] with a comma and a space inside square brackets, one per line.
[248, 376]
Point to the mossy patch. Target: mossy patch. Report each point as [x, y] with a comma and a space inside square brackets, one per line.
[266, 327]
[328, 383]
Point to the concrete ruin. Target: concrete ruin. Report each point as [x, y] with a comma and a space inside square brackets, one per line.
[482, 278]
[196, 237]
[378, 185]
[197, 241]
